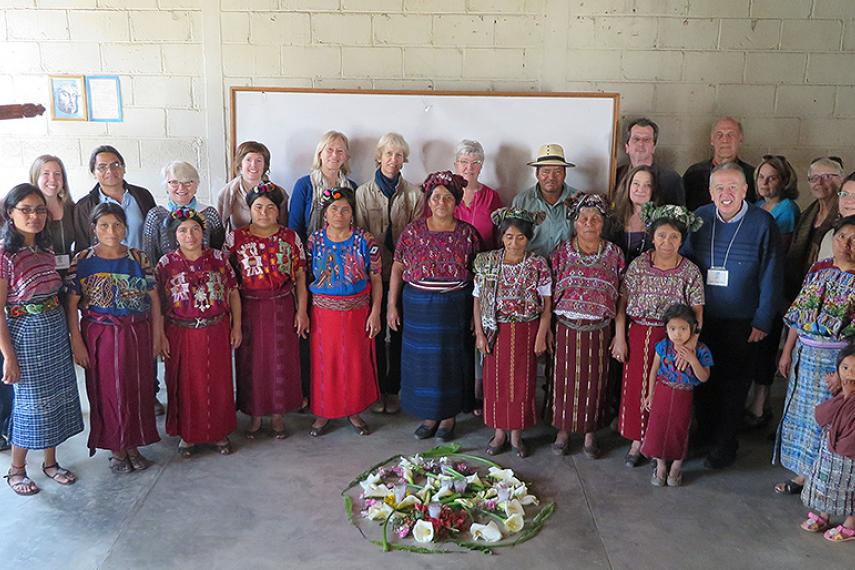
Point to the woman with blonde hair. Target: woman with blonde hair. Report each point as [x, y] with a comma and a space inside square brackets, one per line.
[48, 173]
[251, 167]
[329, 170]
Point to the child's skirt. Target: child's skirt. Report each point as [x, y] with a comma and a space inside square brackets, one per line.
[667, 435]
[830, 487]
[510, 377]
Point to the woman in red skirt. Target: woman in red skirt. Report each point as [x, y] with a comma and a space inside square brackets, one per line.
[669, 393]
[654, 281]
[586, 270]
[512, 312]
[346, 293]
[270, 264]
[201, 303]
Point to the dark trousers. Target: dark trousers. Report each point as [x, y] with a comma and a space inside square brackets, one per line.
[389, 356]
[7, 394]
[719, 403]
[767, 354]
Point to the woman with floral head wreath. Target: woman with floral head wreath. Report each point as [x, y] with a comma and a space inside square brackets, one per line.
[513, 298]
[586, 271]
[432, 265]
[346, 293]
[113, 287]
[202, 310]
[270, 264]
[654, 281]
[251, 167]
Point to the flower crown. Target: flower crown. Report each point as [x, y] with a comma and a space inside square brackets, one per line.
[454, 182]
[502, 214]
[581, 200]
[264, 187]
[330, 195]
[650, 213]
[184, 213]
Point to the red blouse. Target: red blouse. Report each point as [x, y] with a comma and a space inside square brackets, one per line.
[437, 256]
[266, 263]
[195, 289]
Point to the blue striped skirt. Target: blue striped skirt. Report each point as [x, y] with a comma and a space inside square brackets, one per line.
[436, 356]
[830, 487]
[799, 436]
[46, 410]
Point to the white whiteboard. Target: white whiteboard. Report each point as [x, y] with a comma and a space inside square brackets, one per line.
[511, 127]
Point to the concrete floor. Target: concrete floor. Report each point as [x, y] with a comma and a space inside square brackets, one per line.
[276, 504]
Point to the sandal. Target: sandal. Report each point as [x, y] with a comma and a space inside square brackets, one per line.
[521, 449]
[186, 451]
[815, 523]
[225, 448]
[840, 533]
[20, 482]
[561, 448]
[318, 431]
[60, 475]
[139, 463]
[120, 465]
[361, 429]
[495, 449]
[788, 488]
[253, 433]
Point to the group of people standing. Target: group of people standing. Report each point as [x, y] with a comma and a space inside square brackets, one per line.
[368, 296]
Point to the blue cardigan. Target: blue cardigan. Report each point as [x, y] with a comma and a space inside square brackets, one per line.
[755, 266]
[300, 206]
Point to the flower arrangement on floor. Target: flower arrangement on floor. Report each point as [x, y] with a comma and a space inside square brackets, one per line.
[442, 495]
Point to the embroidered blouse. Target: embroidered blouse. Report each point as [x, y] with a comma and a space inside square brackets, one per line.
[30, 274]
[118, 287]
[157, 240]
[650, 291]
[668, 363]
[586, 286]
[195, 289]
[825, 306]
[343, 268]
[516, 290]
[443, 256]
[265, 263]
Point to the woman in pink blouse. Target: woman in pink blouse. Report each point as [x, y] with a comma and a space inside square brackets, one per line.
[432, 265]
[586, 270]
[479, 200]
[512, 314]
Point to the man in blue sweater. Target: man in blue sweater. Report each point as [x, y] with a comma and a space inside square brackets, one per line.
[737, 251]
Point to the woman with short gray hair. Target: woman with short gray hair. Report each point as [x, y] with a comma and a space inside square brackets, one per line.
[181, 180]
[479, 200]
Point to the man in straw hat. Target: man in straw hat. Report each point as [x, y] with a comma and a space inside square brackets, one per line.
[548, 196]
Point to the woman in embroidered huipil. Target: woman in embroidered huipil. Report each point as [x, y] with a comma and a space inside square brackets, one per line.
[113, 287]
[270, 263]
[346, 292]
[432, 265]
[34, 342]
[821, 322]
[586, 270]
[513, 297]
[654, 281]
[201, 306]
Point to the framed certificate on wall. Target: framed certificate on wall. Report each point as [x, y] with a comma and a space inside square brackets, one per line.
[105, 98]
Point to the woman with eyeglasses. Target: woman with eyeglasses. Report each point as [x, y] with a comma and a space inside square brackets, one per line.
[777, 184]
[34, 342]
[845, 207]
[107, 165]
[182, 181]
[824, 176]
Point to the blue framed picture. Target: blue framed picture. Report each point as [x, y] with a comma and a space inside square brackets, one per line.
[105, 98]
[67, 98]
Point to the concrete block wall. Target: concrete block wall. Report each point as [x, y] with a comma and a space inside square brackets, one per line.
[785, 67]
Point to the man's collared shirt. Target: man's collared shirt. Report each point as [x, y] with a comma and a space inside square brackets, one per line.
[556, 227]
[134, 215]
[739, 215]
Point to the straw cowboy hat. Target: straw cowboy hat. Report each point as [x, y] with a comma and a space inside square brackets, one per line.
[550, 155]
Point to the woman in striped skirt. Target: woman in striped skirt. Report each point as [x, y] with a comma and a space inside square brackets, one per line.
[34, 342]
[512, 313]
[586, 270]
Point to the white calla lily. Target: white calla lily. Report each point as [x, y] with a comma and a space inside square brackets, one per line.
[505, 475]
[465, 503]
[529, 500]
[442, 493]
[474, 480]
[490, 493]
[514, 523]
[520, 491]
[409, 501]
[487, 532]
[378, 511]
[423, 531]
[513, 507]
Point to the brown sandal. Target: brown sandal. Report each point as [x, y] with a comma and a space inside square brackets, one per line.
[139, 462]
[61, 475]
[20, 482]
[120, 465]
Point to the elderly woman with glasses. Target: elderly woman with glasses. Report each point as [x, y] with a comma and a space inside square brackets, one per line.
[181, 180]
[845, 207]
[433, 266]
[479, 200]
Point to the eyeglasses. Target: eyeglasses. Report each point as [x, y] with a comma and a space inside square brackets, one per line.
[112, 166]
[815, 178]
[469, 162]
[28, 211]
[845, 195]
[184, 183]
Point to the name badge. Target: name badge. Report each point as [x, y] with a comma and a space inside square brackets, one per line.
[717, 277]
[63, 261]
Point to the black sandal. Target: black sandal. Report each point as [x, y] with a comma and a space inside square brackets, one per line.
[225, 448]
[70, 478]
[789, 488]
[495, 449]
[318, 431]
[139, 463]
[120, 465]
[186, 451]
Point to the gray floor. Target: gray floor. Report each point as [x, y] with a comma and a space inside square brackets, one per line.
[276, 504]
